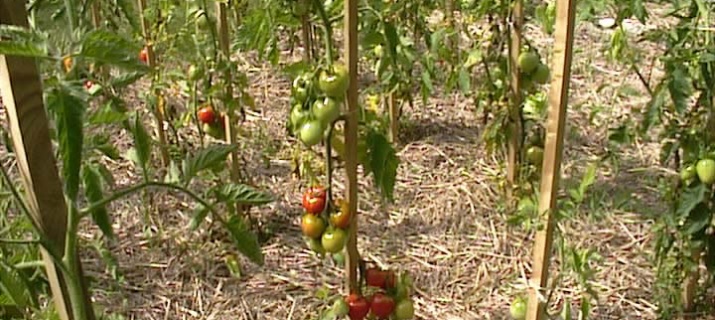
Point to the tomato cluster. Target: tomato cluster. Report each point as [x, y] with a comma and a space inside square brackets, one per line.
[211, 122]
[385, 297]
[324, 226]
[702, 170]
[317, 104]
[533, 71]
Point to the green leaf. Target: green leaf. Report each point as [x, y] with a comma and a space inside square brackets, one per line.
[173, 175]
[142, 142]
[690, 198]
[246, 242]
[698, 219]
[679, 88]
[125, 79]
[107, 115]
[19, 41]
[383, 163]
[93, 190]
[206, 159]
[242, 194]
[199, 216]
[69, 112]
[13, 286]
[653, 109]
[110, 48]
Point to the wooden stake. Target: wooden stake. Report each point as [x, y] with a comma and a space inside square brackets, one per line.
[514, 128]
[690, 284]
[159, 112]
[351, 141]
[394, 111]
[551, 168]
[21, 90]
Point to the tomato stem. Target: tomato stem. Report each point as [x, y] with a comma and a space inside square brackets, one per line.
[327, 24]
[329, 161]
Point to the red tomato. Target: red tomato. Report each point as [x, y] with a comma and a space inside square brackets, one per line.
[314, 199]
[375, 277]
[88, 84]
[144, 55]
[382, 305]
[207, 115]
[359, 307]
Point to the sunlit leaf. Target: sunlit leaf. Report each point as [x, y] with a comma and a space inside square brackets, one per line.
[242, 194]
[205, 159]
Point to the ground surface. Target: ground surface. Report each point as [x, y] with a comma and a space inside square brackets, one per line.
[445, 227]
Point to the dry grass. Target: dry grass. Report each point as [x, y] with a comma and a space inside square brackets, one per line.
[445, 228]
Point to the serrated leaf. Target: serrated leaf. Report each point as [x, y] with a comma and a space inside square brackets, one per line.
[690, 198]
[679, 88]
[69, 112]
[13, 286]
[242, 194]
[20, 41]
[93, 190]
[111, 48]
[653, 109]
[205, 159]
[246, 242]
[142, 142]
[125, 79]
[107, 115]
[383, 163]
[199, 216]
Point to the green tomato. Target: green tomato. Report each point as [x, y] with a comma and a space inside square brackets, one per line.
[326, 110]
[301, 88]
[404, 310]
[535, 155]
[688, 173]
[194, 72]
[298, 115]
[517, 310]
[541, 74]
[311, 132]
[334, 82]
[378, 50]
[528, 61]
[334, 239]
[705, 169]
[340, 307]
